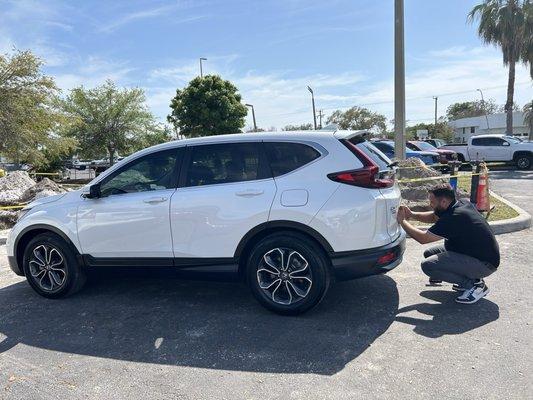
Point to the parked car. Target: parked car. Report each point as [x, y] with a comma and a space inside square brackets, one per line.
[500, 148]
[444, 155]
[387, 147]
[286, 212]
[436, 142]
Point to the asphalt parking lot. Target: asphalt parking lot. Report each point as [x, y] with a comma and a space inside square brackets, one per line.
[139, 335]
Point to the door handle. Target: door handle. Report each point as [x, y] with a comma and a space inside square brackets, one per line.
[250, 193]
[155, 200]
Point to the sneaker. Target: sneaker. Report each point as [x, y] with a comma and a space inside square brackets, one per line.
[458, 288]
[434, 282]
[473, 294]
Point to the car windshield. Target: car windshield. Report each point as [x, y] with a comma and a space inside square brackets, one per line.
[425, 146]
[512, 139]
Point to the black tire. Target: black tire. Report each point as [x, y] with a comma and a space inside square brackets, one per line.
[523, 162]
[48, 249]
[299, 251]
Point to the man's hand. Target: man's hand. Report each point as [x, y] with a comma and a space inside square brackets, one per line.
[408, 214]
[400, 215]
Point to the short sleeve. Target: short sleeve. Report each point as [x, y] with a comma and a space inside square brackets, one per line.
[443, 228]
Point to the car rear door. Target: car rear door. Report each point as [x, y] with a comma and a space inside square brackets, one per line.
[225, 190]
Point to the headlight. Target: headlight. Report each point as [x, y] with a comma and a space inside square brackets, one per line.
[22, 213]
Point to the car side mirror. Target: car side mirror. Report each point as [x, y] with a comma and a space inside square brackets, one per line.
[94, 192]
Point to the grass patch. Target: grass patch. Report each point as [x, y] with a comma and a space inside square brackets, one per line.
[501, 210]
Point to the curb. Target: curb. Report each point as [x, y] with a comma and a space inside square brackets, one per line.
[521, 222]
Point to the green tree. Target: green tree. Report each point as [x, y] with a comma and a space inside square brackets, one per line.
[357, 118]
[29, 122]
[504, 23]
[207, 106]
[471, 109]
[528, 118]
[302, 127]
[107, 119]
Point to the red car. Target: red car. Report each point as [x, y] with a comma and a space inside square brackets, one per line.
[445, 156]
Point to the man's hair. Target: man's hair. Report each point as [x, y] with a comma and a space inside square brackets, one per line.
[443, 190]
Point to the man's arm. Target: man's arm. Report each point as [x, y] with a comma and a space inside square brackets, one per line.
[428, 217]
[419, 235]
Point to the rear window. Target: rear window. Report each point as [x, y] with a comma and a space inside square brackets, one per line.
[285, 157]
[381, 160]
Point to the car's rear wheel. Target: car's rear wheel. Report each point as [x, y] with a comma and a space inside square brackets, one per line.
[288, 273]
[523, 162]
[51, 267]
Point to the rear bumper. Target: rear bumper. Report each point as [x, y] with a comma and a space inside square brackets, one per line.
[360, 263]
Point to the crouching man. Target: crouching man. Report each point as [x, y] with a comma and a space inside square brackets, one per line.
[470, 251]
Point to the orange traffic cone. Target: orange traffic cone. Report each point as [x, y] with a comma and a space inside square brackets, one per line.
[483, 198]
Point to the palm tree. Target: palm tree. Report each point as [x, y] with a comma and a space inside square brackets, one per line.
[528, 118]
[504, 23]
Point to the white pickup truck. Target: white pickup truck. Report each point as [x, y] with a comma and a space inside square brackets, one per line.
[501, 148]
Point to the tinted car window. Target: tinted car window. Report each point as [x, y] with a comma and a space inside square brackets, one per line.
[381, 160]
[224, 163]
[481, 142]
[285, 157]
[151, 172]
[384, 147]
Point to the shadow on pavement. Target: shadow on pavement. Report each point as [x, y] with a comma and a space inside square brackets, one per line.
[449, 317]
[163, 320]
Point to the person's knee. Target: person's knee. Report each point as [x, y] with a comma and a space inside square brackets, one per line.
[428, 266]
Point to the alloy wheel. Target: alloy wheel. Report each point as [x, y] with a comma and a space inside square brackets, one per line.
[47, 267]
[284, 276]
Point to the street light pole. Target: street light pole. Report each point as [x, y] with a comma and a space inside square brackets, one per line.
[399, 82]
[201, 71]
[313, 100]
[253, 115]
[484, 109]
[435, 98]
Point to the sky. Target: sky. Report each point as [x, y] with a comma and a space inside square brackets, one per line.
[270, 49]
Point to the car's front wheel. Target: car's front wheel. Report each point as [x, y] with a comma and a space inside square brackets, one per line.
[51, 267]
[288, 273]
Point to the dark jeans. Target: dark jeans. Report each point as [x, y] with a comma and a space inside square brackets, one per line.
[453, 267]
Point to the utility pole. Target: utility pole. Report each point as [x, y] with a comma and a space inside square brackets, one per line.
[202, 72]
[399, 82]
[320, 115]
[313, 100]
[253, 115]
[436, 99]
[484, 109]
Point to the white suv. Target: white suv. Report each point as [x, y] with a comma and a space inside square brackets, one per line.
[288, 212]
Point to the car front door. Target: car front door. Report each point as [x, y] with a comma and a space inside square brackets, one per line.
[225, 190]
[131, 218]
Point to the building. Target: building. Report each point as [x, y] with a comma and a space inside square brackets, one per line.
[464, 128]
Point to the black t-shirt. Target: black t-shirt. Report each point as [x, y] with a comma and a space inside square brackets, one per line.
[467, 232]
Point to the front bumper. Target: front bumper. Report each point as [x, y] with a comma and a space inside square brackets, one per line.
[360, 263]
[12, 261]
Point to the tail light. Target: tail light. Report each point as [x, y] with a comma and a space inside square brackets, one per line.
[367, 177]
[387, 258]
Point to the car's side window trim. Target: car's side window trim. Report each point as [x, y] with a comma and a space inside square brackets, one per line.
[175, 177]
[264, 172]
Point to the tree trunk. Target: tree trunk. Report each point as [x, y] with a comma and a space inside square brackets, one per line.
[510, 97]
[111, 151]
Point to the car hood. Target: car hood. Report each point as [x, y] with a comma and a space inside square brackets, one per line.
[53, 198]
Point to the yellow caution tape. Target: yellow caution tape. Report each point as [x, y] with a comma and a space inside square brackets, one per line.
[435, 178]
[45, 173]
[12, 207]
